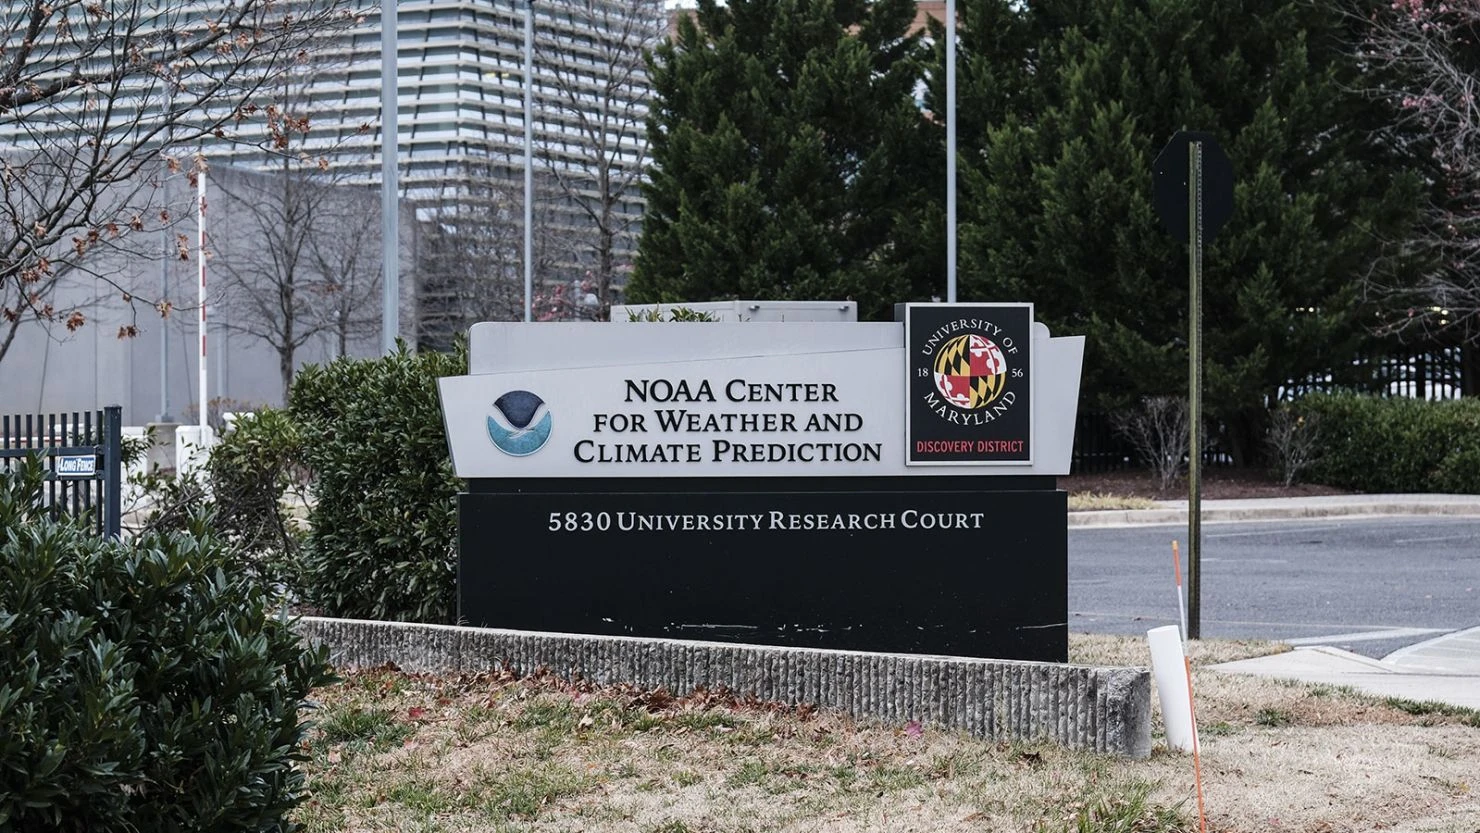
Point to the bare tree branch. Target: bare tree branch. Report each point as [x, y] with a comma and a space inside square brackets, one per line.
[291, 273]
[1425, 50]
[93, 94]
[470, 263]
[601, 90]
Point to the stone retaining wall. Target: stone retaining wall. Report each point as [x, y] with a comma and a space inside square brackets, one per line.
[1101, 709]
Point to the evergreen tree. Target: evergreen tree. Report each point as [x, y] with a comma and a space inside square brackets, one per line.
[1426, 66]
[1057, 184]
[787, 156]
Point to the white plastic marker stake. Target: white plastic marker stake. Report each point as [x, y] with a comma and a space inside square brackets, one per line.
[1173, 673]
[1169, 668]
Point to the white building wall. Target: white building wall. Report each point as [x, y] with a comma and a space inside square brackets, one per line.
[49, 370]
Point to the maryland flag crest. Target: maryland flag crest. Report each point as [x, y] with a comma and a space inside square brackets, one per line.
[970, 371]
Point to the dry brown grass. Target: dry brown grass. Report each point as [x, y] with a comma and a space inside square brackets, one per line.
[1100, 649]
[425, 753]
[1090, 501]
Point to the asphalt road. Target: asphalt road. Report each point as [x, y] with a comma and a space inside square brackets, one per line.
[1369, 585]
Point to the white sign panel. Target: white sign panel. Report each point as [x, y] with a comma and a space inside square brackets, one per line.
[77, 465]
[609, 403]
[764, 415]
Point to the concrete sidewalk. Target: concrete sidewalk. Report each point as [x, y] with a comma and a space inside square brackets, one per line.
[1272, 509]
[1445, 669]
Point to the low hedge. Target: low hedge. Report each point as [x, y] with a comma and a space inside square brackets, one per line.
[382, 538]
[143, 686]
[1374, 445]
[250, 470]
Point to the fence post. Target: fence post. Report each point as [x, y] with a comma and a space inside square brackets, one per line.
[1469, 369]
[112, 471]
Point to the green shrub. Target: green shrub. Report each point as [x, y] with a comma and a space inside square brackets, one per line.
[381, 543]
[251, 471]
[169, 503]
[142, 686]
[1459, 473]
[656, 313]
[1372, 444]
[156, 499]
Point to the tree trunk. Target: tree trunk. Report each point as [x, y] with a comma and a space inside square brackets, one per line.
[10, 328]
[287, 347]
[1244, 434]
[285, 366]
[604, 265]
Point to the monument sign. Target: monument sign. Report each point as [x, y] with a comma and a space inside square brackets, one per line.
[865, 486]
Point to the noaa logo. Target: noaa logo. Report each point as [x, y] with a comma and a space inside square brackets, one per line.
[520, 424]
[970, 371]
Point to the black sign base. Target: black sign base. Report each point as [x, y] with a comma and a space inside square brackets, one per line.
[962, 566]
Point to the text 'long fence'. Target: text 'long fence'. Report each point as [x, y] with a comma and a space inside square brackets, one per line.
[81, 453]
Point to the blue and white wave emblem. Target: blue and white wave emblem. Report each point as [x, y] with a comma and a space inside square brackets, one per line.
[520, 424]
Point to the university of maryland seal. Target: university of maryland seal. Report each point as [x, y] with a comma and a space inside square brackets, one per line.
[969, 384]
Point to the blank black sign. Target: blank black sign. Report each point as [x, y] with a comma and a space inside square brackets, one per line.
[1169, 192]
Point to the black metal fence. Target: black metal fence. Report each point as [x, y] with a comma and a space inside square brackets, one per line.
[1098, 448]
[83, 459]
[1429, 373]
[1432, 373]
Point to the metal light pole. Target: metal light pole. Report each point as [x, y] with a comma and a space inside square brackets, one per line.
[529, 160]
[165, 251]
[390, 154]
[203, 394]
[164, 332]
[951, 151]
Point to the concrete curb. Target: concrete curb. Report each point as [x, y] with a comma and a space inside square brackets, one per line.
[1272, 509]
[1105, 710]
